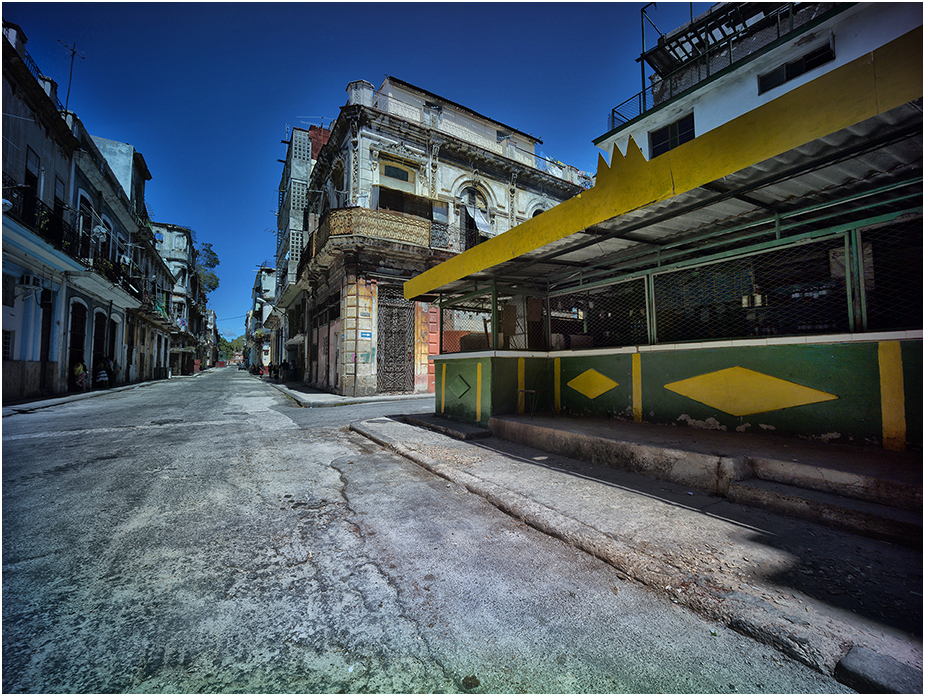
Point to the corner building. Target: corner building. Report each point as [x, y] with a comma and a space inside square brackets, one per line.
[406, 180]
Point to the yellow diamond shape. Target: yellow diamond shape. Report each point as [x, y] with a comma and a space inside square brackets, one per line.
[739, 391]
[592, 384]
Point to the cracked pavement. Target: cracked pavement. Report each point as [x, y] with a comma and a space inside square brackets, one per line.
[207, 535]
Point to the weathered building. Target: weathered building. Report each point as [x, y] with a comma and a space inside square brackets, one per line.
[176, 246]
[749, 259]
[288, 321]
[257, 338]
[79, 267]
[406, 180]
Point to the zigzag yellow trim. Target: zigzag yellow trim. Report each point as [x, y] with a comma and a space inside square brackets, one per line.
[870, 85]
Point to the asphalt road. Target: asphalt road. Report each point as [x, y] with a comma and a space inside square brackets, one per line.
[208, 535]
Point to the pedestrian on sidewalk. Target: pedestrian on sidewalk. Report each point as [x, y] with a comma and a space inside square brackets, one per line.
[80, 376]
[284, 371]
[100, 376]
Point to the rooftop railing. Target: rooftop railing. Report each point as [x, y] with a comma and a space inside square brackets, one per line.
[720, 55]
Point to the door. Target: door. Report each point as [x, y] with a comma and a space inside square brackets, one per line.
[395, 354]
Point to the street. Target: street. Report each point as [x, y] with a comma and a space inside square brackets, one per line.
[206, 534]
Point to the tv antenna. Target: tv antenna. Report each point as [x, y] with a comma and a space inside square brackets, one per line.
[74, 52]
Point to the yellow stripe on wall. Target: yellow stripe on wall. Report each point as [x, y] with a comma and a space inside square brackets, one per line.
[478, 392]
[892, 396]
[637, 387]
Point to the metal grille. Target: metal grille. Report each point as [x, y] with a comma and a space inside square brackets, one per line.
[792, 291]
[804, 288]
[604, 317]
[466, 328]
[395, 355]
[892, 289]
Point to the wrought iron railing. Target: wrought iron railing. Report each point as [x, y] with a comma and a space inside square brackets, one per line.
[383, 224]
[36, 216]
[37, 74]
[32, 212]
[719, 56]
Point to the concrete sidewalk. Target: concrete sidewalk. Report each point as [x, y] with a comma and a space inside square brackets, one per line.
[314, 398]
[846, 605]
[15, 406]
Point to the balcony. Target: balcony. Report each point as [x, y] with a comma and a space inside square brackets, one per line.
[381, 224]
[33, 214]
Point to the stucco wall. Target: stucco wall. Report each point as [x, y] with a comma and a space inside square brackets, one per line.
[865, 392]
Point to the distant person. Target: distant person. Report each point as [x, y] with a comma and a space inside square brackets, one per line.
[284, 371]
[100, 376]
[80, 376]
[110, 370]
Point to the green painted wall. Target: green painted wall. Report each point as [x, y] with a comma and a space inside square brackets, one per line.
[459, 395]
[912, 379]
[849, 372]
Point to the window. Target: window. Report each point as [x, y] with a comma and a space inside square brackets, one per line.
[395, 172]
[84, 215]
[7, 345]
[476, 222]
[396, 176]
[672, 135]
[793, 69]
[9, 289]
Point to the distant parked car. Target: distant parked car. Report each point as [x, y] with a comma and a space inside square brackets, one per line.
[241, 366]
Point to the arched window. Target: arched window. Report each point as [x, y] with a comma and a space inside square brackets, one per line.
[77, 333]
[475, 221]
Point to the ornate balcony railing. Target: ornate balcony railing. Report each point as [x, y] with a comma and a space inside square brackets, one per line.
[380, 224]
[377, 224]
[33, 214]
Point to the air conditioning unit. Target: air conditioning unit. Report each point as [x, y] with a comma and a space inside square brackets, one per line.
[30, 281]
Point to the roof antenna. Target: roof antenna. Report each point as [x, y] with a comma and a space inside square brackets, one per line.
[74, 52]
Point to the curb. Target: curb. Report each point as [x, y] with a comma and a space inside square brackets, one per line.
[823, 651]
[343, 400]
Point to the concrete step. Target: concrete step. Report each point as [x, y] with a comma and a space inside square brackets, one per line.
[859, 480]
[459, 430]
[865, 518]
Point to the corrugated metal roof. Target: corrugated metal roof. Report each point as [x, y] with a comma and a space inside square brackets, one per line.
[869, 169]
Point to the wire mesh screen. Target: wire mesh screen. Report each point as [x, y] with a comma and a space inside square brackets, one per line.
[850, 283]
[600, 318]
[892, 296]
[792, 291]
[466, 329]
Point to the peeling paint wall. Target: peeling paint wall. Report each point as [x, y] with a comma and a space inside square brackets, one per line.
[359, 336]
[426, 337]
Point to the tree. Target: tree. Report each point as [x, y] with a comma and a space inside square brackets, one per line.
[206, 262]
[231, 347]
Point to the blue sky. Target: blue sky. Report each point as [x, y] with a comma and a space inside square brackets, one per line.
[205, 91]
